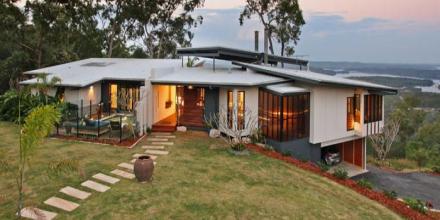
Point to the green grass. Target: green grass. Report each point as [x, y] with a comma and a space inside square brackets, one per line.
[198, 180]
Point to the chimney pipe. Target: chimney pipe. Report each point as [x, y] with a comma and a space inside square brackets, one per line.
[257, 41]
[266, 46]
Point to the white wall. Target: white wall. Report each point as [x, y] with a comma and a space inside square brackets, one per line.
[92, 92]
[162, 94]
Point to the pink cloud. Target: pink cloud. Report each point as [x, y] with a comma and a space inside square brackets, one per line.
[426, 11]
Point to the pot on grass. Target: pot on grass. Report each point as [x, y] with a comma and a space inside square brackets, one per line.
[143, 168]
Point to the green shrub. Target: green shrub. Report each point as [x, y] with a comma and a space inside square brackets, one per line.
[285, 153]
[238, 147]
[340, 173]
[390, 194]
[365, 183]
[323, 166]
[436, 169]
[257, 136]
[416, 204]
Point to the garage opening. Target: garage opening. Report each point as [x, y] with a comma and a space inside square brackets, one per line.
[349, 155]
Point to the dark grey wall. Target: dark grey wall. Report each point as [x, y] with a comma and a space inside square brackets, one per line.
[300, 149]
[211, 101]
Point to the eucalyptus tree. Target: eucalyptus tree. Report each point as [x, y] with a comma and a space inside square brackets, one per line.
[282, 19]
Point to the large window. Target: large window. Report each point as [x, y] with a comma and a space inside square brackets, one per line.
[372, 108]
[241, 110]
[284, 118]
[123, 96]
[230, 108]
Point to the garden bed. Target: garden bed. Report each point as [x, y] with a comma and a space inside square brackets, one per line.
[128, 143]
[395, 205]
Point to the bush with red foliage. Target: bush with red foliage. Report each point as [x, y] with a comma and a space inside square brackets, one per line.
[395, 205]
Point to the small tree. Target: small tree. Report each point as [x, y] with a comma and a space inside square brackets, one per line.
[383, 141]
[43, 85]
[37, 126]
[229, 125]
[417, 152]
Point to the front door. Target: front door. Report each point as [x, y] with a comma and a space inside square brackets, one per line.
[192, 106]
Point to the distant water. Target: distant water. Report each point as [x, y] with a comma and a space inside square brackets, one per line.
[431, 89]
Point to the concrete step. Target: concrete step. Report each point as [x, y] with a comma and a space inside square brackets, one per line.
[37, 214]
[75, 193]
[153, 147]
[165, 136]
[127, 166]
[157, 152]
[62, 204]
[157, 139]
[95, 186]
[105, 178]
[163, 143]
[122, 174]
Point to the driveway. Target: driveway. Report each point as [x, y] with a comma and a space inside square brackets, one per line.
[416, 185]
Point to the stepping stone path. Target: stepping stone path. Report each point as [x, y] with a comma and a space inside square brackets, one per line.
[61, 204]
[154, 147]
[37, 214]
[123, 174]
[165, 136]
[105, 178]
[160, 133]
[157, 152]
[162, 143]
[157, 139]
[127, 166]
[95, 186]
[76, 193]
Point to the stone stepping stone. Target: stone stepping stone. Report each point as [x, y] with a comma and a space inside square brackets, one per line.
[157, 139]
[123, 174]
[76, 193]
[153, 147]
[165, 136]
[160, 133]
[61, 204]
[127, 166]
[163, 143]
[105, 178]
[95, 186]
[157, 152]
[37, 214]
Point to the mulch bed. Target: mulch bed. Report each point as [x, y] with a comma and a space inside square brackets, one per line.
[395, 205]
[124, 143]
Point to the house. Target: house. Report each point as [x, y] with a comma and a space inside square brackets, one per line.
[299, 111]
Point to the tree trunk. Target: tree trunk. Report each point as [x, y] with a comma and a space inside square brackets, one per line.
[111, 40]
[282, 52]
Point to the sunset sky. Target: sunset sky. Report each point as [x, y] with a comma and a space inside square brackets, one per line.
[400, 31]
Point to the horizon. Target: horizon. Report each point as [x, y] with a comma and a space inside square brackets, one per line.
[364, 31]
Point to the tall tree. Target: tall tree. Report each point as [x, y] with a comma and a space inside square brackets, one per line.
[282, 19]
[163, 25]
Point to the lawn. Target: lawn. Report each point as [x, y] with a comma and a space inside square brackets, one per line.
[198, 180]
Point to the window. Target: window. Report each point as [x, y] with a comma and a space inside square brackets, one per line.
[372, 108]
[283, 118]
[241, 110]
[230, 108]
[350, 113]
[357, 108]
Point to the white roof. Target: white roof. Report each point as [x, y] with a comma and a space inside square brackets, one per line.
[85, 72]
[286, 88]
[207, 76]
[314, 78]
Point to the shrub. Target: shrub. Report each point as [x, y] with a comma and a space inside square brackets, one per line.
[416, 204]
[365, 183]
[285, 153]
[436, 169]
[257, 136]
[340, 173]
[390, 194]
[323, 166]
[238, 147]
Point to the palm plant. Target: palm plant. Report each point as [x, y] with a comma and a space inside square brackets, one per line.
[43, 84]
[37, 126]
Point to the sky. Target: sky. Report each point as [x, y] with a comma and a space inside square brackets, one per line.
[380, 31]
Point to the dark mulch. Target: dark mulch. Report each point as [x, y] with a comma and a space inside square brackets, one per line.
[395, 205]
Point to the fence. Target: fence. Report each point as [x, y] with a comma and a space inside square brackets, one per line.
[97, 122]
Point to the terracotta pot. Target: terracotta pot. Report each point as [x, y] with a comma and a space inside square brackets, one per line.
[143, 168]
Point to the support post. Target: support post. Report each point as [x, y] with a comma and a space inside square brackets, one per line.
[77, 123]
[90, 109]
[99, 119]
[120, 128]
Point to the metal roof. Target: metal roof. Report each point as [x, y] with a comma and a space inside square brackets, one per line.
[85, 72]
[286, 88]
[315, 78]
[231, 54]
[221, 77]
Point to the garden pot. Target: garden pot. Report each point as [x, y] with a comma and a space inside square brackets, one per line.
[143, 168]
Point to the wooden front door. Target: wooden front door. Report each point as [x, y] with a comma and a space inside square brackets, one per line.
[192, 108]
